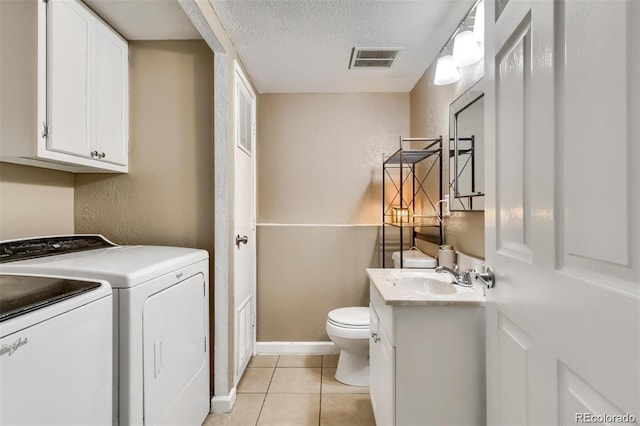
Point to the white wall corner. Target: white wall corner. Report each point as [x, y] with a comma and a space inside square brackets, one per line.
[296, 348]
[223, 403]
[464, 261]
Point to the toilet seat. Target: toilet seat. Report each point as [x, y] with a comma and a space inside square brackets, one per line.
[356, 317]
[350, 326]
[336, 331]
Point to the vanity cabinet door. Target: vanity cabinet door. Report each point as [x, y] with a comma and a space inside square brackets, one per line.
[387, 381]
[374, 362]
[382, 373]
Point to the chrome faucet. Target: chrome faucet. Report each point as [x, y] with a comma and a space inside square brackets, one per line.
[462, 279]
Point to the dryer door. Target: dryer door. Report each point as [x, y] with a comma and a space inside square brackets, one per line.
[174, 351]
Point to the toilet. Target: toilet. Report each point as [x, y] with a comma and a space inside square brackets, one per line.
[348, 329]
[414, 258]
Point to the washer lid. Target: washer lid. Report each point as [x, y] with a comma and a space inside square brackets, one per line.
[353, 316]
[122, 266]
[22, 294]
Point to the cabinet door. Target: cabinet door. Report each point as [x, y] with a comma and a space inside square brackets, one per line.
[68, 29]
[374, 362]
[386, 381]
[382, 364]
[109, 108]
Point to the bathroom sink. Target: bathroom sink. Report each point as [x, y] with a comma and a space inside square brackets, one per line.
[424, 286]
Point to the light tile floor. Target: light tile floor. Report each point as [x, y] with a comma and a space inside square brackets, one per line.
[295, 390]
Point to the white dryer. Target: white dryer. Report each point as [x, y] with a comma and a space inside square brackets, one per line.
[55, 351]
[161, 319]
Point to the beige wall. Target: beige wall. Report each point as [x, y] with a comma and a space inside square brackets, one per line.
[167, 196]
[430, 117]
[304, 272]
[34, 202]
[319, 163]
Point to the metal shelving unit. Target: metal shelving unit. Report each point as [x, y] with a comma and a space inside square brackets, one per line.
[459, 169]
[404, 164]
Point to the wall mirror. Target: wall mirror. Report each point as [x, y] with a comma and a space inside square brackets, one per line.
[466, 150]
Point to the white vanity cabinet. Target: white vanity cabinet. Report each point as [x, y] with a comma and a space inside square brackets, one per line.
[64, 88]
[427, 362]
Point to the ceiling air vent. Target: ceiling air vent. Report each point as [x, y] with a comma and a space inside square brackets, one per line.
[373, 57]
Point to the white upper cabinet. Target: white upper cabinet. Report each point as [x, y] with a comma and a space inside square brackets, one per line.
[109, 98]
[68, 26]
[77, 68]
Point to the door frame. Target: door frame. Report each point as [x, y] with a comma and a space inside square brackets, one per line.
[221, 387]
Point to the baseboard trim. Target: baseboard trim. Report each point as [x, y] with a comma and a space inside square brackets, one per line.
[224, 403]
[297, 348]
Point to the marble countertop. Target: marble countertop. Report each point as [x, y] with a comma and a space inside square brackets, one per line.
[416, 287]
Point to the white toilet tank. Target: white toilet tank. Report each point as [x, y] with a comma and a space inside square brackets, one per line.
[413, 258]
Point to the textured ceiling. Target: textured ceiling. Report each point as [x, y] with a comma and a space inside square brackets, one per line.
[146, 19]
[304, 46]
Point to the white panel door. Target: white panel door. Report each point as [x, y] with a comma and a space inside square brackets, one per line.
[110, 95]
[68, 41]
[244, 219]
[563, 211]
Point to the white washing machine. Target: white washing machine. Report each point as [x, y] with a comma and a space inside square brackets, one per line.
[161, 319]
[56, 351]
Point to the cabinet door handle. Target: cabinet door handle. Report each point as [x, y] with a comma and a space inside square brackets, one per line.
[98, 155]
[375, 337]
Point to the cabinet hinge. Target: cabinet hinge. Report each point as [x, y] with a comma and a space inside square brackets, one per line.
[45, 130]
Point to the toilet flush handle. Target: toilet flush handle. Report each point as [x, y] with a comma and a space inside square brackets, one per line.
[375, 337]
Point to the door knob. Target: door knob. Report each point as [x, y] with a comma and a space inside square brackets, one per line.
[242, 240]
[488, 278]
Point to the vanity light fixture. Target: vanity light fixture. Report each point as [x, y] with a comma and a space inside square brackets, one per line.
[446, 71]
[466, 50]
[401, 215]
[468, 47]
[478, 24]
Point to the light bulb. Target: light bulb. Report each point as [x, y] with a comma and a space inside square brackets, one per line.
[446, 71]
[465, 49]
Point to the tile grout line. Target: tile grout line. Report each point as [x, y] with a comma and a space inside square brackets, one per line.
[267, 391]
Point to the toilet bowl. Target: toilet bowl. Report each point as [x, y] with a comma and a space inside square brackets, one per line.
[348, 329]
